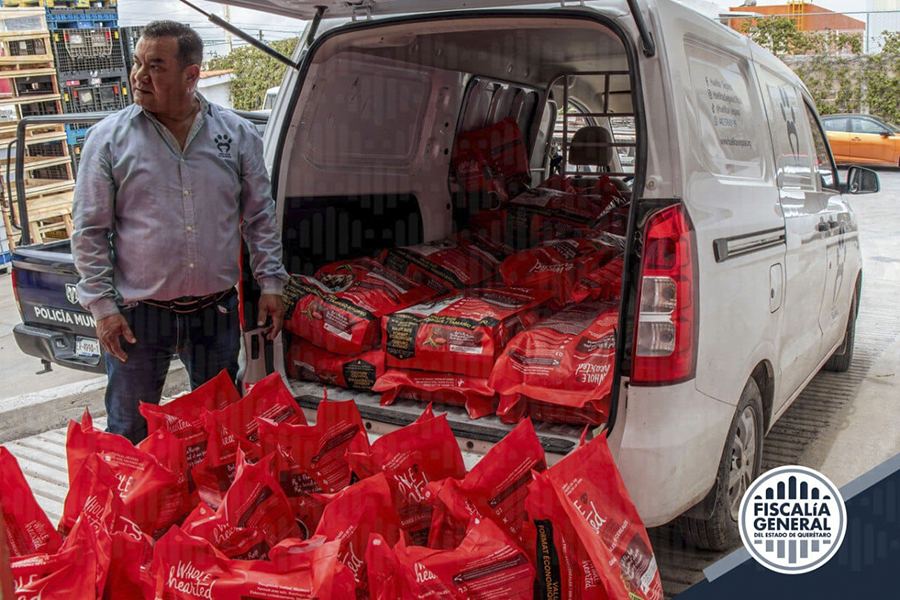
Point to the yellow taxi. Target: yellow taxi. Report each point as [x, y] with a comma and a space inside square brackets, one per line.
[863, 140]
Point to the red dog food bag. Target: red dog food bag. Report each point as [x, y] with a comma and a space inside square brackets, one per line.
[342, 312]
[603, 283]
[565, 571]
[122, 547]
[28, 530]
[495, 488]
[183, 416]
[557, 265]
[462, 334]
[443, 388]
[503, 146]
[169, 450]
[88, 493]
[270, 399]
[606, 521]
[355, 513]
[154, 497]
[364, 464]
[410, 458]
[454, 263]
[253, 517]
[565, 359]
[309, 362]
[558, 183]
[315, 313]
[372, 286]
[310, 459]
[214, 475]
[543, 214]
[487, 564]
[186, 567]
[492, 160]
[515, 407]
[73, 572]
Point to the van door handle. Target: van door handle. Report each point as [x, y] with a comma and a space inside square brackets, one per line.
[856, 139]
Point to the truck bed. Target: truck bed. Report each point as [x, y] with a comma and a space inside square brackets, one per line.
[474, 436]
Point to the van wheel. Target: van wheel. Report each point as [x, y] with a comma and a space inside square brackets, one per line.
[840, 360]
[740, 464]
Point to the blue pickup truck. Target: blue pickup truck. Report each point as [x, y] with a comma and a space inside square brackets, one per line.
[55, 328]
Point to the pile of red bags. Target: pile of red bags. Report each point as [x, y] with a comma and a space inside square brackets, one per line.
[461, 320]
[317, 511]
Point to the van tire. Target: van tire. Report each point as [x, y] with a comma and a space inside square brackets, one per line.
[720, 531]
[839, 362]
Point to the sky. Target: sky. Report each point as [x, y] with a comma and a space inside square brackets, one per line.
[140, 12]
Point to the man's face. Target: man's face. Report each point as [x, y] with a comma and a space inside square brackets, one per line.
[158, 81]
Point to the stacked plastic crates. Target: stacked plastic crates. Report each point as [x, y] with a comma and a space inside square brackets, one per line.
[29, 86]
[90, 61]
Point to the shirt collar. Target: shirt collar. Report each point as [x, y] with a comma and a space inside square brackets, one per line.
[205, 107]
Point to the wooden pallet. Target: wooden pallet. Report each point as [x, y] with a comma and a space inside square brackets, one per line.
[34, 134]
[33, 163]
[22, 21]
[50, 217]
[19, 100]
[20, 69]
[42, 188]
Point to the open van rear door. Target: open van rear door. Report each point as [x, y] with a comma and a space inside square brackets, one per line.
[306, 9]
[312, 9]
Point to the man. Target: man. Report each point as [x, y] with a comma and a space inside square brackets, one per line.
[165, 190]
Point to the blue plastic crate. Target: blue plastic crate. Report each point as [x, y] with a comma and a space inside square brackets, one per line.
[75, 134]
[81, 18]
[82, 24]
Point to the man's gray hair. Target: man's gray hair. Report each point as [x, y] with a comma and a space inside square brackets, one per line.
[190, 46]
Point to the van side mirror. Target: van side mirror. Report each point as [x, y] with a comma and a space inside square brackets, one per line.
[861, 180]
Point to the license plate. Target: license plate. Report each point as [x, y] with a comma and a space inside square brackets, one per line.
[87, 347]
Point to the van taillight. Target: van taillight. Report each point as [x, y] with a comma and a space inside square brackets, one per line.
[665, 335]
[15, 287]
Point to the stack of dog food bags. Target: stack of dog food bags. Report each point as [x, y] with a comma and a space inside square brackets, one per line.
[336, 315]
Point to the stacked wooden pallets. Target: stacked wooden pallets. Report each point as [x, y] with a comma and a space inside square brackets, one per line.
[29, 86]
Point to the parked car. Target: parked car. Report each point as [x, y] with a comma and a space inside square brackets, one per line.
[753, 281]
[863, 140]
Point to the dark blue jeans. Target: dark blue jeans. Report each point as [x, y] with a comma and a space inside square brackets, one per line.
[206, 341]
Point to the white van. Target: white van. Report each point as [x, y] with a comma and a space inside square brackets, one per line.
[742, 271]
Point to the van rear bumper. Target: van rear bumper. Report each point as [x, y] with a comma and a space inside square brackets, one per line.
[669, 448]
[55, 346]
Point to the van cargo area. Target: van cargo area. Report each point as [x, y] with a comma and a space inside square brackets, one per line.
[369, 166]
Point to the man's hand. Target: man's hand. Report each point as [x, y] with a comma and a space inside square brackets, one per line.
[110, 329]
[270, 305]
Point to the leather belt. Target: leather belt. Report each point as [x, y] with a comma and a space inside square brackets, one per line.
[189, 304]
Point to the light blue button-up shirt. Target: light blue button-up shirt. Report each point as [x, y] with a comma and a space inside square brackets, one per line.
[155, 222]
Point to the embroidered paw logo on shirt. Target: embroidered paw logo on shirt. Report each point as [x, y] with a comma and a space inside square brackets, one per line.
[223, 143]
